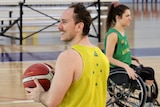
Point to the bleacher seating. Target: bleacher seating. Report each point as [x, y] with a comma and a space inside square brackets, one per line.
[39, 13]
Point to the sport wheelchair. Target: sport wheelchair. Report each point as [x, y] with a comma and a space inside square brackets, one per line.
[125, 92]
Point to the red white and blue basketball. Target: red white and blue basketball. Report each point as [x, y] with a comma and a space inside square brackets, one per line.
[39, 71]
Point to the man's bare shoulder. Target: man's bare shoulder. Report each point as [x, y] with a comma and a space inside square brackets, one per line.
[69, 54]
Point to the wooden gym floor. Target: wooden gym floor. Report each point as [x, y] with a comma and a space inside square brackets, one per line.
[144, 37]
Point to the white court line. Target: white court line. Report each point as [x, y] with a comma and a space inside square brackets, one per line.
[16, 102]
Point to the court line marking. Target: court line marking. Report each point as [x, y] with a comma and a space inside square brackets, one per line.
[16, 102]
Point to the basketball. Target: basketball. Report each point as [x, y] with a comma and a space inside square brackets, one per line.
[39, 71]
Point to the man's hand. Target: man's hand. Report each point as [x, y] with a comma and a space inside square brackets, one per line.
[35, 93]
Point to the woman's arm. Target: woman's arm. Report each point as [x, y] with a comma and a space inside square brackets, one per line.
[110, 48]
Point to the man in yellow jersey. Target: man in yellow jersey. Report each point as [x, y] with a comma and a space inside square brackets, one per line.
[81, 72]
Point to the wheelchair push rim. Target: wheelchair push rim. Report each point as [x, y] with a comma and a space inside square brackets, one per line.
[125, 92]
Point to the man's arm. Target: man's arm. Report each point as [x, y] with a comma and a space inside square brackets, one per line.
[63, 78]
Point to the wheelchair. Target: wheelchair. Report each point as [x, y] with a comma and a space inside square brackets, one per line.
[125, 92]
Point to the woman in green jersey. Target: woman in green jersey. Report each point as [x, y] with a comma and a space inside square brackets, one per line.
[116, 46]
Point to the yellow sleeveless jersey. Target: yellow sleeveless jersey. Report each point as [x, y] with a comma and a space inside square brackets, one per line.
[90, 89]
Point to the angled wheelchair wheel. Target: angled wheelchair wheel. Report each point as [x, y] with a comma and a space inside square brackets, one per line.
[155, 94]
[124, 92]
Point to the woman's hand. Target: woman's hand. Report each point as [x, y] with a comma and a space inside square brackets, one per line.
[131, 72]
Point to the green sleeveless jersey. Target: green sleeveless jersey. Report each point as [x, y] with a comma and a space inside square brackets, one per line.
[90, 89]
[122, 50]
